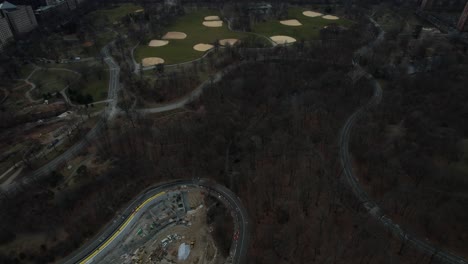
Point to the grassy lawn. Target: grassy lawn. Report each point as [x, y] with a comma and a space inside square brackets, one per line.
[308, 31]
[96, 88]
[114, 14]
[182, 50]
[93, 88]
[49, 81]
[97, 82]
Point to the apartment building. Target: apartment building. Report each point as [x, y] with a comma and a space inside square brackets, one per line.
[6, 35]
[22, 20]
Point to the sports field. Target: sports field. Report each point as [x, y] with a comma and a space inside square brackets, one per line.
[181, 50]
[194, 26]
[308, 31]
[114, 14]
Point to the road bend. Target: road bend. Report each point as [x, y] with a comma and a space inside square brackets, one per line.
[97, 248]
[371, 206]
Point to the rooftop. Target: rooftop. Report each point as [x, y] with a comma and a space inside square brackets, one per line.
[7, 6]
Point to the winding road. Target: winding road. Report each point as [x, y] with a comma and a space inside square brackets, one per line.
[240, 249]
[112, 233]
[97, 248]
[371, 206]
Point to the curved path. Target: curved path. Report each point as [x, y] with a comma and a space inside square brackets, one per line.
[371, 206]
[111, 236]
[108, 114]
[241, 248]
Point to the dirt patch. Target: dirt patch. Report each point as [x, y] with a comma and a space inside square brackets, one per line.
[174, 35]
[283, 39]
[230, 42]
[202, 47]
[152, 61]
[329, 17]
[311, 14]
[88, 44]
[212, 18]
[218, 23]
[158, 43]
[291, 22]
[139, 10]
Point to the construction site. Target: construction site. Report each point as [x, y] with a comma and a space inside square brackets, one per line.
[173, 230]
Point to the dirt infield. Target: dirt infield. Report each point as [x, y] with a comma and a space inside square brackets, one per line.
[311, 14]
[158, 43]
[329, 17]
[283, 39]
[212, 18]
[217, 23]
[203, 47]
[291, 22]
[174, 35]
[230, 42]
[151, 61]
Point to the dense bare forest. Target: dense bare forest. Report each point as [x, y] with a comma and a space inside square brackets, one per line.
[269, 132]
[412, 151]
[271, 139]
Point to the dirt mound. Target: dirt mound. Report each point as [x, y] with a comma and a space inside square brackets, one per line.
[203, 47]
[174, 35]
[283, 39]
[151, 61]
[311, 14]
[230, 42]
[291, 22]
[217, 23]
[158, 43]
[329, 17]
[212, 18]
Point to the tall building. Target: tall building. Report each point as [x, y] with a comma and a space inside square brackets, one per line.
[5, 32]
[22, 19]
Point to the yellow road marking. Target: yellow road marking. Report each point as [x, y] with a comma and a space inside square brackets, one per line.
[122, 227]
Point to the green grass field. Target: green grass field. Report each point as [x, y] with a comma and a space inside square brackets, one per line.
[308, 31]
[182, 50]
[49, 81]
[97, 82]
[96, 88]
[114, 14]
